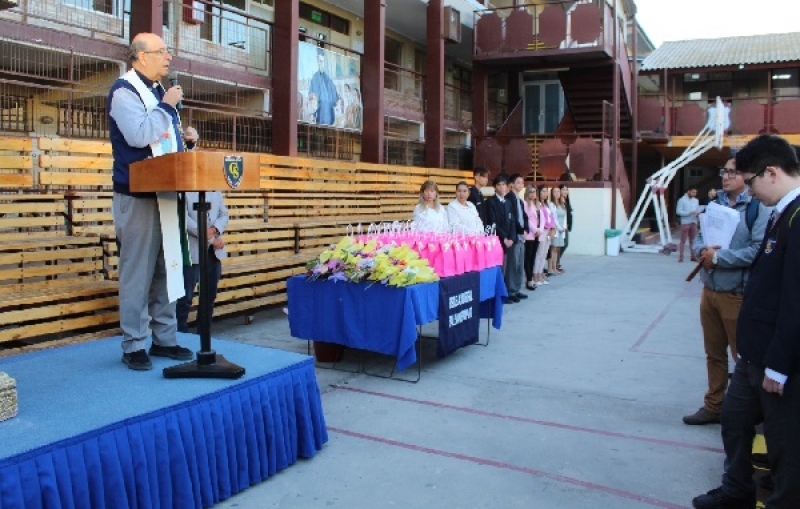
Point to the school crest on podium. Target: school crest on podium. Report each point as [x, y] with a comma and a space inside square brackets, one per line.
[233, 170]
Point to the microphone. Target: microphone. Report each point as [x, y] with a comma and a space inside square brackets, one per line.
[173, 80]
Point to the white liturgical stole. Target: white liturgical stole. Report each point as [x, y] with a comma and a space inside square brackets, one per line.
[168, 201]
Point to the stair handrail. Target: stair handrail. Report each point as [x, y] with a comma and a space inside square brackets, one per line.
[508, 118]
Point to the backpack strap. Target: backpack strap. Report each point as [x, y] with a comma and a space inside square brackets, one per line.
[751, 213]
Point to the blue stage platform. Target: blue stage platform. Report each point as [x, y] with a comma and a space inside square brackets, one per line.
[92, 433]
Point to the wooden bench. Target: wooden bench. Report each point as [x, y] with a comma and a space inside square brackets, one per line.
[245, 208]
[297, 206]
[89, 214]
[31, 215]
[261, 258]
[16, 162]
[75, 164]
[257, 283]
[53, 286]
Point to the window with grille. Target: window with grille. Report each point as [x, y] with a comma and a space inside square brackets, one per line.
[106, 6]
[226, 26]
[83, 120]
[14, 114]
[250, 134]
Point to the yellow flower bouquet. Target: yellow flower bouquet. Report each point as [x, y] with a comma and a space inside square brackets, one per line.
[354, 261]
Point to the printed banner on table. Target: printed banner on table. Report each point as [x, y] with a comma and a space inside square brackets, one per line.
[328, 88]
[459, 312]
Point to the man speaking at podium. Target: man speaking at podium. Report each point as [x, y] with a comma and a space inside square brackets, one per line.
[143, 123]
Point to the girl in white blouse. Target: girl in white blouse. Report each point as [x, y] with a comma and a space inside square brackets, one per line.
[462, 214]
[560, 213]
[429, 215]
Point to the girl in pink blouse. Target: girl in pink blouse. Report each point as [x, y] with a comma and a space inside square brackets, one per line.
[532, 234]
[547, 224]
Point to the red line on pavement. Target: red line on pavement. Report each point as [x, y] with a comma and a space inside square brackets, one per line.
[687, 291]
[651, 326]
[534, 421]
[506, 466]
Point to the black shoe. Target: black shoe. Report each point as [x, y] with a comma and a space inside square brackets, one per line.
[531, 287]
[511, 299]
[176, 352]
[717, 499]
[137, 360]
[702, 416]
[521, 296]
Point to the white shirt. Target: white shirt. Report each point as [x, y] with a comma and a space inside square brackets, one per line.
[464, 218]
[686, 207]
[786, 200]
[431, 220]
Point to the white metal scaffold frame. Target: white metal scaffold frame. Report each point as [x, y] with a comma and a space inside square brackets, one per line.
[710, 136]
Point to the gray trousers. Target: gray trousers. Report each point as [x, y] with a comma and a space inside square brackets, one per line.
[513, 268]
[143, 300]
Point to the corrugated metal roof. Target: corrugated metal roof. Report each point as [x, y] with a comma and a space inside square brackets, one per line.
[753, 49]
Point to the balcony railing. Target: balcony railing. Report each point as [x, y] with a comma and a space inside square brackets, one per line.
[215, 33]
[746, 115]
[404, 152]
[90, 18]
[549, 26]
[53, 92]
[404, 89]
[328, 143]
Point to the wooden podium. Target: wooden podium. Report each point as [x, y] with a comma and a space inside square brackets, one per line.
[201, 172]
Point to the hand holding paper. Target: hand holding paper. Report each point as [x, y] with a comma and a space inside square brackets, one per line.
[718, 225]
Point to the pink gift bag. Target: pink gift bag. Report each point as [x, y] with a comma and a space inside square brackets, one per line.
[470, 260]
[479, 253]
[434, 256]
[494, 252]
[448, 256]
[460, 252]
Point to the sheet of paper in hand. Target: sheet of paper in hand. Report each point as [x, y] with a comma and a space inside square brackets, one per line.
[718, 225]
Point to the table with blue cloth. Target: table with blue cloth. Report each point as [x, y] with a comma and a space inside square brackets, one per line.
[371, 316]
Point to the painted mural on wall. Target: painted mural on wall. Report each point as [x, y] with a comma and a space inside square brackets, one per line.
[328, 88]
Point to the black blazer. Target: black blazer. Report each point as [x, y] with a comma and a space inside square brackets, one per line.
[768, 328]
[515, 211]
[498, 213]
[479, 201]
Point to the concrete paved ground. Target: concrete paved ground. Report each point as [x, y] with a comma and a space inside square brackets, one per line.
[576, 403]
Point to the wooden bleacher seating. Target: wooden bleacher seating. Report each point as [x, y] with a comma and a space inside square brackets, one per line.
[89, 214]
[53, 286]
[16, 162]
[31, 215]
[58, 254]
[75, 164]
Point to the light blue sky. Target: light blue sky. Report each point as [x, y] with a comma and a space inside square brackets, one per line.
[677, 20]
